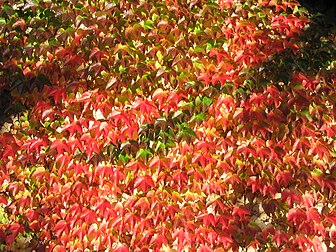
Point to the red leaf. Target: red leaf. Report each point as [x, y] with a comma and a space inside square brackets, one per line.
[79, 168]
[212, 236]
[144, 205]
[180, 177]
[73, 128]
[32, 215]
[60, 146]
[241, 212]
[291, 197]
[328, 129]
[60, 227]
[317, 244]
[205, 146]
[159, 163]
[226, 240]
[296, 215]
[221, 78]
[158, 240]
[89, 216]
[34, 145]
[186, 148]
[303, 242]
[40, 174]
[205, 248]
[10, 149]
[308, 201]
[145, 106]
[14, 188]
[3, 200]
[20, 23]
[172, 210]
[208, 219]
[160, 96]
[144, 183]
[104, 171]
[96, 53]
[15, 229]
[59, 248]
[35, 225]
[121, 248]
[131, 219]
[313, 215]
[74, 60]
[117, 222]
[205, 77]
[79, 232]
[284, 178]
[280, 238]
[57, 93]
[253, 181]
[219, 55]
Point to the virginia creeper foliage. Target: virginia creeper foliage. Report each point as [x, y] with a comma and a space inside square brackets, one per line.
[153, 128]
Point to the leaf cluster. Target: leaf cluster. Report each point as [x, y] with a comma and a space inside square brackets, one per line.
[166, 126]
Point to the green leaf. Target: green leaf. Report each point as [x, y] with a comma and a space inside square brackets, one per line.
[53, 42]
[124, 158]
[207, 101]
[148, 25]
[186, 133]
[198, 30]
[155, 17]
[307, 114]
[121, 69]
[298, 87]
[6, 7]
[199, 118]
[198, 101]
[213, 5]
[300, 10]
[79, 6]
[317, 172]
[2, 21]
[3, 216]
[262, 15]
[160, 146]
[190, 132]
[70, 30]
[208, 46]
[190, 84]
[250, 15]
[159, 55]
[215, 28]
[143, 153]
[199, 49]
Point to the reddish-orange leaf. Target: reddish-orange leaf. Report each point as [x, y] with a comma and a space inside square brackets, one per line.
[59, 248]
[241, 212]
[40, 174]
[144, 183]
[60, 227]
[280, 238]
[60, 146]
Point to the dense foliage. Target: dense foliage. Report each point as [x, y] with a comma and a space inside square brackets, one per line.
[165, 126]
